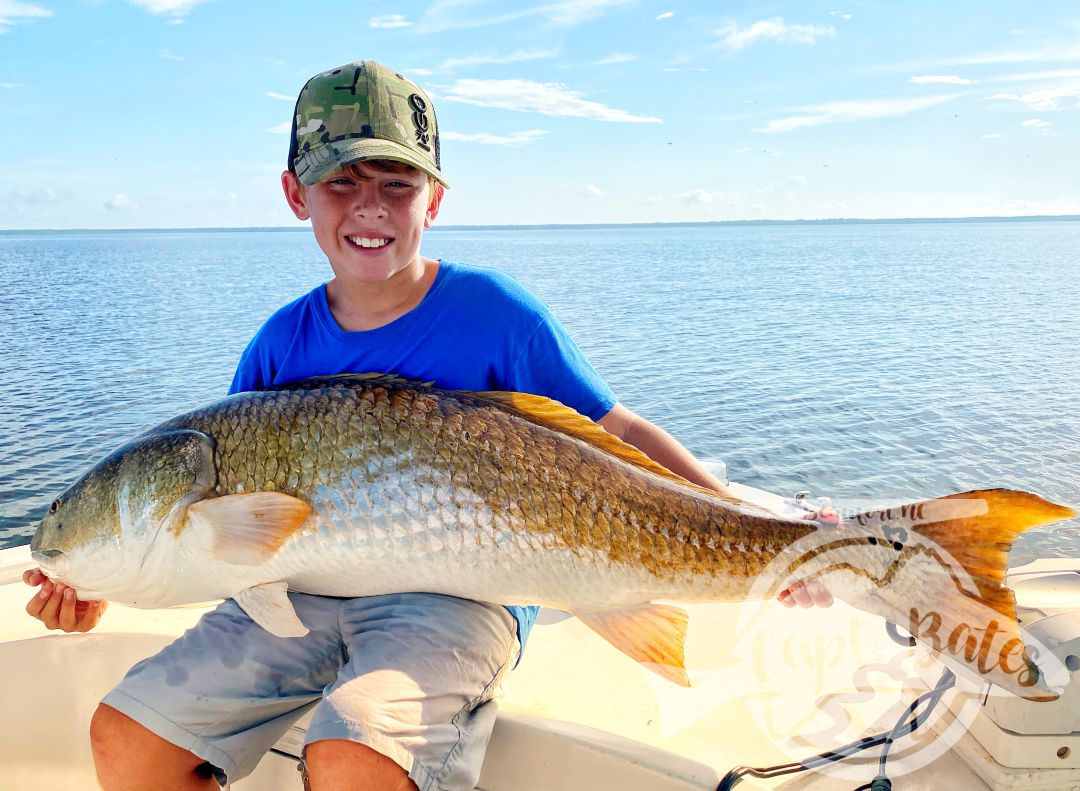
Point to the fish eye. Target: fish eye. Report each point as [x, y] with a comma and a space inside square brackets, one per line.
[55, 506]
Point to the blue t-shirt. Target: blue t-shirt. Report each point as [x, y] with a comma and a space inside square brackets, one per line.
[475, 329]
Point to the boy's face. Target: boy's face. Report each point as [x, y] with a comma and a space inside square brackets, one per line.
[368, 222]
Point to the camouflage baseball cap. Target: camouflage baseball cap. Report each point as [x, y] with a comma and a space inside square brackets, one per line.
[362, 110]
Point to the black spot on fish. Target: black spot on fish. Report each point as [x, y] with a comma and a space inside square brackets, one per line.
[897, 546]
[872, 540]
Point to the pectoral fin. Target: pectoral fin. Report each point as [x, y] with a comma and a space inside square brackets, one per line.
[248, 529]
[269, 607]
[652, 634]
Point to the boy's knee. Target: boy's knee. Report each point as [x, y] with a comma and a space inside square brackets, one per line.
[125, 751]
[107, 727]
[340, 764]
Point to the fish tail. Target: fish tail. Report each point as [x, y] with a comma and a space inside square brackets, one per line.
[961, 607]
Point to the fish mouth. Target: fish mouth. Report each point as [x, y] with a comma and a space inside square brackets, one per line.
[47, 558]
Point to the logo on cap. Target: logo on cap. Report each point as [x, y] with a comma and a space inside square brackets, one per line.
[420, 120]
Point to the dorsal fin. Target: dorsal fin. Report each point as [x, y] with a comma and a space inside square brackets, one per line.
[559, 417]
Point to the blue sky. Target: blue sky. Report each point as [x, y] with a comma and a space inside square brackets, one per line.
[175, 113]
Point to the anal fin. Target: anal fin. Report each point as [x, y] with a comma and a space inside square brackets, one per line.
[269, 606]
[652, 634]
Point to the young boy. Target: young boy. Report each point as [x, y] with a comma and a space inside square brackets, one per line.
[402, 684]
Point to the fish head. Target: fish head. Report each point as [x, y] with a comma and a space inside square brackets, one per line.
[98, 535]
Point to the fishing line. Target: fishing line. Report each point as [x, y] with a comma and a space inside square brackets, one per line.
[909, 721]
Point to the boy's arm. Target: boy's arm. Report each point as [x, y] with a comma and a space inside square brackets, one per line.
[659, 446]
[664, 449]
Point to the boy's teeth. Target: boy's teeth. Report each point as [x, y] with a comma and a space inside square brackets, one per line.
[365, 242]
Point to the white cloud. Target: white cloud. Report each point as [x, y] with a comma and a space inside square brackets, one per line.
[420, 72]
[1051, 98]
[281, 129]
[280, 96]
[665, 15]
[547, 98]
[9, 86]
[992, 136]
[736, 39]
[389, 21]
[1053, 54]
[941, 79]
[31, 201]
[697, 196]
[36, 195]
[842, 16]
[574, 12]
[513, 139]
[842, 112]
[1034, 76]
[456, 14]
[170, 7]
[516, 56]
[120, 202]
[166, 55]
[592, 191]
[177, 21]
[611, 60]
[12, 12]
[1036, 123]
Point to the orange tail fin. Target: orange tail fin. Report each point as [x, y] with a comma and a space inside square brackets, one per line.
[957, 603]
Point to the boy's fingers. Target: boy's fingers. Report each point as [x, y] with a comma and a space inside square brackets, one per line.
[67, 619]
[50, 612]
[800, 596]
[35, 605]
[818, 594]
[33, 577]
[806, 594]
[95, 609]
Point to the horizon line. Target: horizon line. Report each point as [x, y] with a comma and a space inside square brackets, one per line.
[564, 226]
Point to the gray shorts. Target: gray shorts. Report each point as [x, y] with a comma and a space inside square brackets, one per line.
[409, 675]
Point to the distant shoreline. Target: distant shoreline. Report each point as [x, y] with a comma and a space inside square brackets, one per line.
[583, 226]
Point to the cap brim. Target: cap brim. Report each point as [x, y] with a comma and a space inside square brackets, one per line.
[333, 156]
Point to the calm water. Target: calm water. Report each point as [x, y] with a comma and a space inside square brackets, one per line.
[858, 361]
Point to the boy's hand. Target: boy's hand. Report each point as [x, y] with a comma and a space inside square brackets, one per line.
[811, 593]
[806, 594]
[55, 605]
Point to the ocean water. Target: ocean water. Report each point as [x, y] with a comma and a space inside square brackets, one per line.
[861, 361]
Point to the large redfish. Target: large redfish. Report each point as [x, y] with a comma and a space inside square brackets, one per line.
[367, 484]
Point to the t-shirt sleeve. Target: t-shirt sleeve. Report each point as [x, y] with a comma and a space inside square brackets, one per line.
[551, 364]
